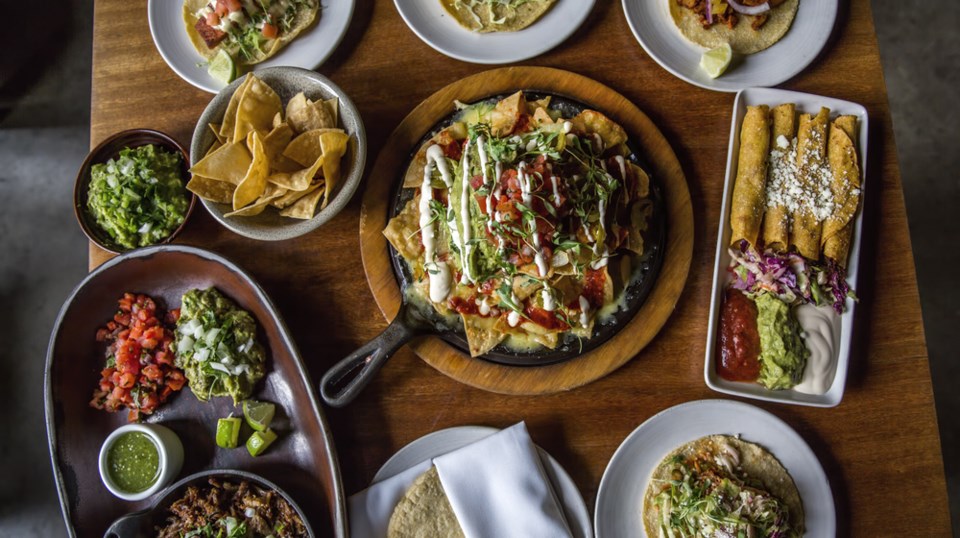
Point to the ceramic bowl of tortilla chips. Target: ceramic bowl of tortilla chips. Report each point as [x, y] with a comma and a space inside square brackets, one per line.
[277, 154]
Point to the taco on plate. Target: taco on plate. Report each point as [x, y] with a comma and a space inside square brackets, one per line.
[722, 486]
[747, 25]
[249, 30]
[496, 15]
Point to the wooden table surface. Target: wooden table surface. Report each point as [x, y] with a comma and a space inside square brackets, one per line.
[880, 447]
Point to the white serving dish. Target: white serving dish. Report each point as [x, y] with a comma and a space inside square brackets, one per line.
[169, 450]
[811, 104]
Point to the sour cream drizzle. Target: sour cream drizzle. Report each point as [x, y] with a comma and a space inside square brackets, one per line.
[438, 273]
[820, 334]
[623, 166]
[584, 310]
[549, 304]
[556, 192]
[525, 193]
[466, 247]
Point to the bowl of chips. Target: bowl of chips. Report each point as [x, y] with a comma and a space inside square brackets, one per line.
[277, 154]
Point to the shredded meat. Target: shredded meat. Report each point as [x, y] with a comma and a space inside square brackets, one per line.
[205, 508]
[211, 36]
[728, 17]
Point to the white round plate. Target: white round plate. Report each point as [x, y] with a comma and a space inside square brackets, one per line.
[432, 24]
[620, 497]
[443, 441]
[310, 49]
[653, 27]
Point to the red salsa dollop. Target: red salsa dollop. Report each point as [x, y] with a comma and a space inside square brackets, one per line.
[739, 338]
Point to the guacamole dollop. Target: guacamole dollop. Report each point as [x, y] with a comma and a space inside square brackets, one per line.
[217, 347]
[783, 355]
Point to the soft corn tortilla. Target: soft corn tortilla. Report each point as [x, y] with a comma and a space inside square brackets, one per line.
[484, 17]
[742, 38]
[755, 461]
[424, 511]
[302, 21]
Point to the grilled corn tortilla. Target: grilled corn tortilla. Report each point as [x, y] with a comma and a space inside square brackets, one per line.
[742, 38]
[301, 18]
[752, 463]
[424, 511]
[485, 16]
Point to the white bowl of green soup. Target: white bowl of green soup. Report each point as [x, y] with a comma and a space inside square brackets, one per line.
[137, 460]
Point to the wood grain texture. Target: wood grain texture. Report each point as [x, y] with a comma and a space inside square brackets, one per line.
[880, 446]
[654, 150]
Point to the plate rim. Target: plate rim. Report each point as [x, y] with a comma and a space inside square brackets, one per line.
[803, 447]
[581, 509]
[339, 517]
[341, 26]
[628, 7]
[557, 38]
[834, 394]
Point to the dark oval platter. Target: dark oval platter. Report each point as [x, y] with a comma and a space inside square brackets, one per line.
[302, 461]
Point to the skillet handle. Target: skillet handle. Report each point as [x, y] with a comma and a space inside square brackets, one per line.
[344, 380]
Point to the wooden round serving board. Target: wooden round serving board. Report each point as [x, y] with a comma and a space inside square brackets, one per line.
[665, 170]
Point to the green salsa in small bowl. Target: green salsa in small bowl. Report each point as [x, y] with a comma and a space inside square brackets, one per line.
[137, 460]
[131, 191]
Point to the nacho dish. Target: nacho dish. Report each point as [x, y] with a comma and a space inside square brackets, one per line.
[720, 486]
[249, 31]
[225, 509]
[518, 222]
[795, 198]
[485, 16]
[139, 372]
[748, 26]
[270, 154]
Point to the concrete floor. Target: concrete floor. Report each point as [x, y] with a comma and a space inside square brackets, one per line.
[44, 135]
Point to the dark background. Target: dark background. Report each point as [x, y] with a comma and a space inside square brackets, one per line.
[44, 136]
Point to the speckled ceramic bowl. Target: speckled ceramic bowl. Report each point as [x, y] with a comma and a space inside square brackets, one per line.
[107, 150]
[287, 82]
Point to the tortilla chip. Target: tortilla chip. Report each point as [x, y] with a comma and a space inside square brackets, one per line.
[482, 334]
[301, 179]
[305, 115]
[334, 146]
[255, 181]
[424, 510]
[402, 230]
[276, 141]
[641, 186]
[219, 192]
[541, 117]
[229, 163]
[214, 147]
[305, 207]
[591, 121]
[414, 176]
[278, 119]
[305, 148]
[258, 105]
[271, 193]
[291, 197]
[506, 114]
[215, 129]
[333, 108]
[230, 116]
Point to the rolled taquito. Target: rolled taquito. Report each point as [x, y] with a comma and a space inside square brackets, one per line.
[749, 189]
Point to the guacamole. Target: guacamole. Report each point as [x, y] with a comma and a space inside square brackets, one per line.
[139, 198]
[783, 355]
[217, 347]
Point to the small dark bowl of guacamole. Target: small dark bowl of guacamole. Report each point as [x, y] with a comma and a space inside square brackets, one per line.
[131, 191]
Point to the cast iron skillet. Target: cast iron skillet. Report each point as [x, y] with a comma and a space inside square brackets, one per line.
[141, 524]
[344, 381]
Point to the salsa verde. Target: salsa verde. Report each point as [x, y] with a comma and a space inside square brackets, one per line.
[133, 462]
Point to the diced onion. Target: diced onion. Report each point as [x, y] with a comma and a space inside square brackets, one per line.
[202, 354]
[220, 368]
[749, 10]
[189, 327]
[211, 336]
[147, 226]
[185, 344]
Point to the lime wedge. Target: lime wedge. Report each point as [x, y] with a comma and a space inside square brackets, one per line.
[222, 68]
[715, 61]
[228, 432]
[260, 441]
[258, 414]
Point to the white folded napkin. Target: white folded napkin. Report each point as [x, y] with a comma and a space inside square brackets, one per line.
[496, 486]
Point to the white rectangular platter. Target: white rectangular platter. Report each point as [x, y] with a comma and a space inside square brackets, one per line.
[808, 103]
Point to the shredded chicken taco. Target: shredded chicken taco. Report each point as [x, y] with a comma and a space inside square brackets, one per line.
[517, 218]
[496, 15]
[250, 31]
[720, 486]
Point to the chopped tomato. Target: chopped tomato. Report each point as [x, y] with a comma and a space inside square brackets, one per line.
[233, 5]
[212, 18]
[269, 31]
[143, 373]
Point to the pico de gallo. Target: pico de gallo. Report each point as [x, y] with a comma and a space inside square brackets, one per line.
[139, 373]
